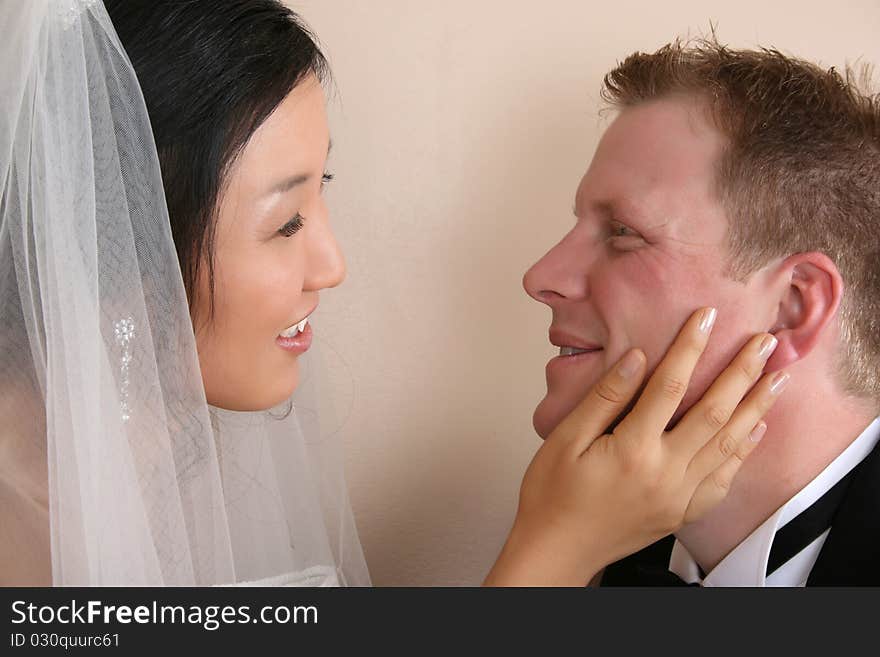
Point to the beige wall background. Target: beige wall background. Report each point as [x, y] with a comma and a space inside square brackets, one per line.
[460, 132]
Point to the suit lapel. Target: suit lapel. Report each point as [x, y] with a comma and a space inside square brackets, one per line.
[851, 553]
[647, 567]
[849, 557]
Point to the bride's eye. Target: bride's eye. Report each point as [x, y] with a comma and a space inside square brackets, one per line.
[292, 226]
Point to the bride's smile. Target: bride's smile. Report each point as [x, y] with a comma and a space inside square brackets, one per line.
[298, 338]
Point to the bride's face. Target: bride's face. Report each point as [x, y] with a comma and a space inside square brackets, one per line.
[273, 252]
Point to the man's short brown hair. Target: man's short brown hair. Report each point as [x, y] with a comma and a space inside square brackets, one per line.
[800, 172]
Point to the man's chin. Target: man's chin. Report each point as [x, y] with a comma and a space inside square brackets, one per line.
[547, 416]
[550, 412]
[539, 427]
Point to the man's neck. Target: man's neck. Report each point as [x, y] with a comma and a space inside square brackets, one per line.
[810, 426]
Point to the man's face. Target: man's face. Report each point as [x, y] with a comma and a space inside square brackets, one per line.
[648, 248]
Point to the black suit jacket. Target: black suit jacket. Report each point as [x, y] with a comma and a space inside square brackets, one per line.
[849, 557]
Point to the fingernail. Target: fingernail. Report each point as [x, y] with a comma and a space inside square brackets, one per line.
[779, 382]
[768, 346]
[629, 365]
[758, 432]
[708, 320]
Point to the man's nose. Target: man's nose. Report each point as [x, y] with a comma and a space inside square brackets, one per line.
[563, 272]
[326, 264]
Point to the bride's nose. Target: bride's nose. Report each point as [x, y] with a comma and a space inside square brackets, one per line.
[326, 264]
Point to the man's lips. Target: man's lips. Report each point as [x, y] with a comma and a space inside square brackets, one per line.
[561, 338]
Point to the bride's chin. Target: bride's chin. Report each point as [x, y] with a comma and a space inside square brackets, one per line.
[256, 397]
[286, 388]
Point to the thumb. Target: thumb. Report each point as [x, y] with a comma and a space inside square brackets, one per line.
[603, 403]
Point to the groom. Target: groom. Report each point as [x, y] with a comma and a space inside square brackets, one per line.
[748, 181]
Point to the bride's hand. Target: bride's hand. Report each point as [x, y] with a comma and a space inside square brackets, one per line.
[588, 499]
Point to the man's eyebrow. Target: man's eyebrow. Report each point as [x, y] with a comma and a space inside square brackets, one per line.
[287, 184]
[618, 209]
[604, 208]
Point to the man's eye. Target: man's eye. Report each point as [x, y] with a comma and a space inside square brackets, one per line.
[619, 230]
[292, 226]
[624, 238]
[326, 179]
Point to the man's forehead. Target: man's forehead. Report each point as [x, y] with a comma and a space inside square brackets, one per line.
[653, 153]
[662, 136]
[679, 110]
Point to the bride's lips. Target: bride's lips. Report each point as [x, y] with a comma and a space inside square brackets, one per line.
[299, 343]
[297, 337]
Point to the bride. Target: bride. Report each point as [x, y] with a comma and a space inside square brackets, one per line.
[163, 243]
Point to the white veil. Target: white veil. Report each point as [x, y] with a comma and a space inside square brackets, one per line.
[109, 453]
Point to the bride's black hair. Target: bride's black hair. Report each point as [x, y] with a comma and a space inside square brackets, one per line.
[211, 73]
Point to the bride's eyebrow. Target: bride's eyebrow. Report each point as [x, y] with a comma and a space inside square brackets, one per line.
[287, 184]
[290, 183]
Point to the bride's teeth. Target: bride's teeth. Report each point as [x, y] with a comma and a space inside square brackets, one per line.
[571, 351]
[295, 329]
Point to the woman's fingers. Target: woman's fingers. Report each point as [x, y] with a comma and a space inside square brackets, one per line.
[718, 462]
[714, 487]
[732, 441]
[709, 416]
[605, 401]
[667, 386]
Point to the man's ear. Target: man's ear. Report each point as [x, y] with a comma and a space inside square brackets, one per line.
[810, 291]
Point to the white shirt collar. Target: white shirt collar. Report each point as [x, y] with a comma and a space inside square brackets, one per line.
[746, 564]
